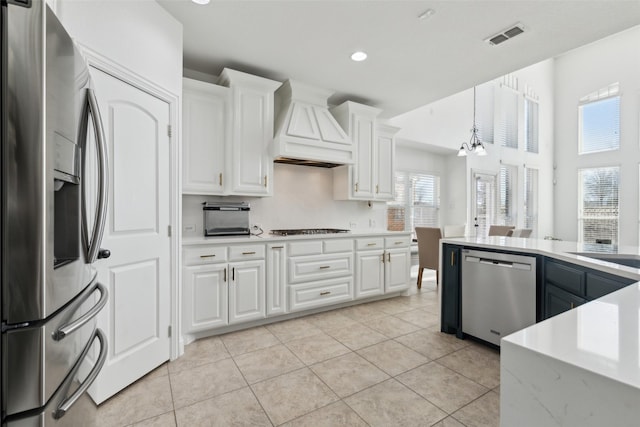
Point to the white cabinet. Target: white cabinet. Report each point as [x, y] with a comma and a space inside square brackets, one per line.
[222, 286]
[383, 265]
[371, 176]
[246, 291]
[205, 297]
[319, 273]
[205, 126]
[251, 132]
[276, 279]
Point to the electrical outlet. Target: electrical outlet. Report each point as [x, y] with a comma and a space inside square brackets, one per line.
[353, 225]
[189, 228]
[372, 223]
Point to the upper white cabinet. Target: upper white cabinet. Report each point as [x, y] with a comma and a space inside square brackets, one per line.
[251, 132]
[371, 176]
[205, 109]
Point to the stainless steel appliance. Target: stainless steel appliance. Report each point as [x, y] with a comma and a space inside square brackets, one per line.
[498, 294]
[304, 231]
[226, 219]
[54, 194]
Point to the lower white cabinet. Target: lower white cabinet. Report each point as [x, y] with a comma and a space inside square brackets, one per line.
[369, 273]
[223, 293]
[317, 294]
[276, 279]
[397, 268]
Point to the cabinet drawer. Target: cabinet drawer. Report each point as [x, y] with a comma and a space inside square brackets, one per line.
[397, 242]
[318, 294]
[333, 246]
[598, 286]
[304, 269]
[309, 247]
[370, 243]
[246, 252]
[568, 278]
[204, 255]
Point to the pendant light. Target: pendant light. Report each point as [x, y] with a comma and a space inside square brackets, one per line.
[474, 145]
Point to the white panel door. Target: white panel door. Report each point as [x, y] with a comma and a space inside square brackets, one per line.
[384, 168]
[246, 291]
[276, 272]
[397, 269]
[137, 317]
[369, 274]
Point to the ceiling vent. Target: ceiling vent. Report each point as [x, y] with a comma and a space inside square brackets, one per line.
[506, 34]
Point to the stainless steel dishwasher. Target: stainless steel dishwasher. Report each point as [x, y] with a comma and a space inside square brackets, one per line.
[498, 294]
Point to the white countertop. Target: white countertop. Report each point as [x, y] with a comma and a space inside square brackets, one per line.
[266, 237]
[562, 250]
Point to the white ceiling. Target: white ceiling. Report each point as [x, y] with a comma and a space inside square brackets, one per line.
[411, 62]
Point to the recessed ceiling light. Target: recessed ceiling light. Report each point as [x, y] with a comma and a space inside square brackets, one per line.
[201, 1]
[359, 56]
[427, 14]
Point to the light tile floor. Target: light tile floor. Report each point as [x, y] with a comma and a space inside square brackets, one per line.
[383, 363]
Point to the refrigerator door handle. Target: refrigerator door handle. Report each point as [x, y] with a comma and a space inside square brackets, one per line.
[66, 404]
[64, 330]
[93, 240]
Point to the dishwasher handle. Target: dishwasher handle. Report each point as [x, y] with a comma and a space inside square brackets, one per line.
[498, 263]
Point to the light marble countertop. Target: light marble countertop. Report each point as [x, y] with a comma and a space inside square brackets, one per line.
[266, 237]
[581, 367]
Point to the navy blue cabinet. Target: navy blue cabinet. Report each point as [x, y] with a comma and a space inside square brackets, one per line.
[450, 283]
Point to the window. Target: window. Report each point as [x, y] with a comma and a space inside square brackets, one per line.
[485, 107]
[531, 199]
[598, 205]
[506, 195]
[508, 127]
[417, 202]
[530, 125]
[599, 120]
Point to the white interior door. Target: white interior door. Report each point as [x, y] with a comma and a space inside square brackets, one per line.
[137, 317]
[484, 202]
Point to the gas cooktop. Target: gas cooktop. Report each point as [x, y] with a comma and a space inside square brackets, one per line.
[298, 231]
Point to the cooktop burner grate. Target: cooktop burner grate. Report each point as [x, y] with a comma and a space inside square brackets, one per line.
[298, 231]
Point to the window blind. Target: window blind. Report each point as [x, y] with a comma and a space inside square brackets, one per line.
[531, 198]
[506, 195]
[485, 203]
[598, 211]
[484, 111]
[417, 202]
[599, 120]
[508, 127]
[531, 125]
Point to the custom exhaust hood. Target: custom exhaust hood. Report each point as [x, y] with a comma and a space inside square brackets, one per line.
[305, 131]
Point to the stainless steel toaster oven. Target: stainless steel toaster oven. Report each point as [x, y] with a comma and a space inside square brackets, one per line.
[226, 219]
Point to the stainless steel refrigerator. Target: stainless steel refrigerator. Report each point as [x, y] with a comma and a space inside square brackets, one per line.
[54, 195]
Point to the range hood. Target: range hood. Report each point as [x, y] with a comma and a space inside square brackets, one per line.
[305, 131]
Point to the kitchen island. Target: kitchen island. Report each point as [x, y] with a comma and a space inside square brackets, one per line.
[577, 368]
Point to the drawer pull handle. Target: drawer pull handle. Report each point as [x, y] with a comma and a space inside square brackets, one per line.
[371, 244]
[399, 243]
[277, 247]
[207, 256]
[323, 267]
[249, 253]
[325, 293]
[389, 256]
[572, 305]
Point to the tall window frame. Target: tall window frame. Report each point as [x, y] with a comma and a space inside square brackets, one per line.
[416, 203]
[507, 195]
[599, 205]
[531, 125]
[531, 195]
[599, 120]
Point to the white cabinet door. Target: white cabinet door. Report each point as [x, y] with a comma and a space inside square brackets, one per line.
[252, 132]
[397, 269]
[246, 291]
[204, 137]
[137, 317]
[204, 291]
[369, 274]
[276, 280]
[364, 137]
[385, 152]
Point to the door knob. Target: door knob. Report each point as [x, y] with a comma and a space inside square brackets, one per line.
[104, 253]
